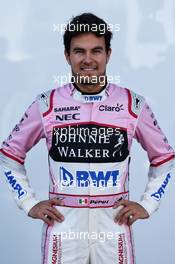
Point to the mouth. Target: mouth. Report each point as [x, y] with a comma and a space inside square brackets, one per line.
[88, 69]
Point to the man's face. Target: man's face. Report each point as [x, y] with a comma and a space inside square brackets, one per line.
[88, 58]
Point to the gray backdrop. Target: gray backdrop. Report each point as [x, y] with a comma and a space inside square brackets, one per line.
[31, 59]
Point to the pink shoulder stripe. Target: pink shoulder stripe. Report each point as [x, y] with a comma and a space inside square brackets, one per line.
[51, 104]
[130, 104]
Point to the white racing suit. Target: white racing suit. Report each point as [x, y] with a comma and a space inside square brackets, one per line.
[89, 139]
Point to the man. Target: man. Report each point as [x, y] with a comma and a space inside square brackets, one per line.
[89, 126]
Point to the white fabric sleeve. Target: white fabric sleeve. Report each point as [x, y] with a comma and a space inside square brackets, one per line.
[24, 136]
[158, 180]
[20, 188]
[160, 155]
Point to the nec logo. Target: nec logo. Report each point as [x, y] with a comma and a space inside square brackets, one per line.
[68, 117]
[89, 178]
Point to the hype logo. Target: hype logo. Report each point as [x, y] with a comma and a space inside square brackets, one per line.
[158, 195]
[15, 185]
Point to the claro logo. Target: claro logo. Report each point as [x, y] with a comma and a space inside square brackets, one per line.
[108, 108]
[157, 195]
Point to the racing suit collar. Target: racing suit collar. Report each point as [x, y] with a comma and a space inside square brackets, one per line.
[90, 98]
[93, 93]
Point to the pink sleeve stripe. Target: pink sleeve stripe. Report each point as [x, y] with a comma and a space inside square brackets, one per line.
[163, 161]
[12, 157]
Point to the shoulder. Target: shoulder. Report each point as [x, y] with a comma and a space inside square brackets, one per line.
[134, 100]
[45, 97]
[45, 100]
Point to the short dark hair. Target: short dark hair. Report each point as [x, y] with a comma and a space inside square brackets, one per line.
[87, 23]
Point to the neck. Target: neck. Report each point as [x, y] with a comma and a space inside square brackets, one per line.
[90, 88]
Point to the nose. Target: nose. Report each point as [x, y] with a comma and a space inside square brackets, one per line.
[87, 58]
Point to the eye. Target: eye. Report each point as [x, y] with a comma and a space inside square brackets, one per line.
[96, 51]
[78, 51]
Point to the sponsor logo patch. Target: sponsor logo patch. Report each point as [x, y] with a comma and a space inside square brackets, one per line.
[15, 185]
[158, 195]
[67, 108]
[68, 117]
[122, 249]
[108, 108]
[88, 178]
[93, 98]
[97, 202]
[56, 249]
[88, 143]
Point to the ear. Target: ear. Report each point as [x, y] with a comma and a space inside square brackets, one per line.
[108, 55]
[67, 56]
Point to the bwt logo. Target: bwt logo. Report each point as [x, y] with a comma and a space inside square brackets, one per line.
[93, 98]
[157, 195]
[15, 186]
[89, 178]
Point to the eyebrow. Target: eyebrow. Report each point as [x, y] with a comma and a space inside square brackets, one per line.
[97, 47]
[77, 48]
